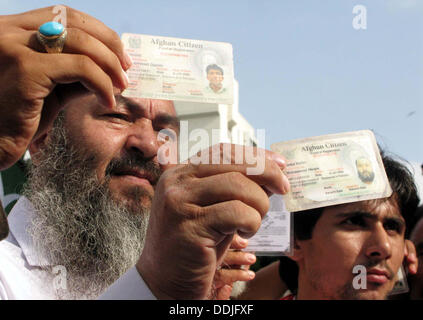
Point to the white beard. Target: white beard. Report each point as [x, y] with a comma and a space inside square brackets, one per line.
[77, 223]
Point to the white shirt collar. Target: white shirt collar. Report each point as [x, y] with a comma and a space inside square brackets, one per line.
[19, 221]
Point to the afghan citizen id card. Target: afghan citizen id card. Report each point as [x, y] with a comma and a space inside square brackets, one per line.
[333, 169]
[179, 69]
[274, 238]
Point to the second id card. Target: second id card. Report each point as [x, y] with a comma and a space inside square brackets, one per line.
[179, 69]
[275, 236]
[333, 169]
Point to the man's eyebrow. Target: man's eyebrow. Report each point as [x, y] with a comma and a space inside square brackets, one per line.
[400, 222]
[161, 118]
[122, 101]
[364, 214]
[372, 216]
[167, 119]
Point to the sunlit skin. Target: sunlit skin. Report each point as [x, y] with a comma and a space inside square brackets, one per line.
[416, 281]
[363, 233]
[215, 78]
[132, 127]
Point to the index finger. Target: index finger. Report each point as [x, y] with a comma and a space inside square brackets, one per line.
[32, 20]
[263, 166]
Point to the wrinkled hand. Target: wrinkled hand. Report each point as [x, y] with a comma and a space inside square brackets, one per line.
[234, 268]
[34, 85]
[196, 211]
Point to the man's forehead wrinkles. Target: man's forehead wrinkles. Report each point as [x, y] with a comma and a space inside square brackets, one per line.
[148, 108]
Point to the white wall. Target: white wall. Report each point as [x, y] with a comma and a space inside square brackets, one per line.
[231, 125]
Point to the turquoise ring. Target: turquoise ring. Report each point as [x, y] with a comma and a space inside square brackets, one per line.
[52, 35]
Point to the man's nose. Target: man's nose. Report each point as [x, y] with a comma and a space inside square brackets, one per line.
[378, 243]
[142, 138]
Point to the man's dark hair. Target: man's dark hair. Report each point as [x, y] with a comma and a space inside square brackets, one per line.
[404, 190]
[419, 213]
[417, 216]
[214, 67]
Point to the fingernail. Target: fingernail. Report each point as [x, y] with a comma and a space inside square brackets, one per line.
[286, 184]
[242, 241]
[279, 160]
[126, 79]
[128, 60]
[251, 274]
[251, 258]
[114, 102]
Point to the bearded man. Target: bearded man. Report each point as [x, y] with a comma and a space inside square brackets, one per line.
[97, 183]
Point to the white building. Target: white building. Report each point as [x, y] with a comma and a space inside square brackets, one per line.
[223, 123]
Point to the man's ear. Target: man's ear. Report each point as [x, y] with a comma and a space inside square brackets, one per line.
[36, 145]
[410, 257]
[298, 253]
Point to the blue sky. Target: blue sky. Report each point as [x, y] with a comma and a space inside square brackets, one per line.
[303, 69]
